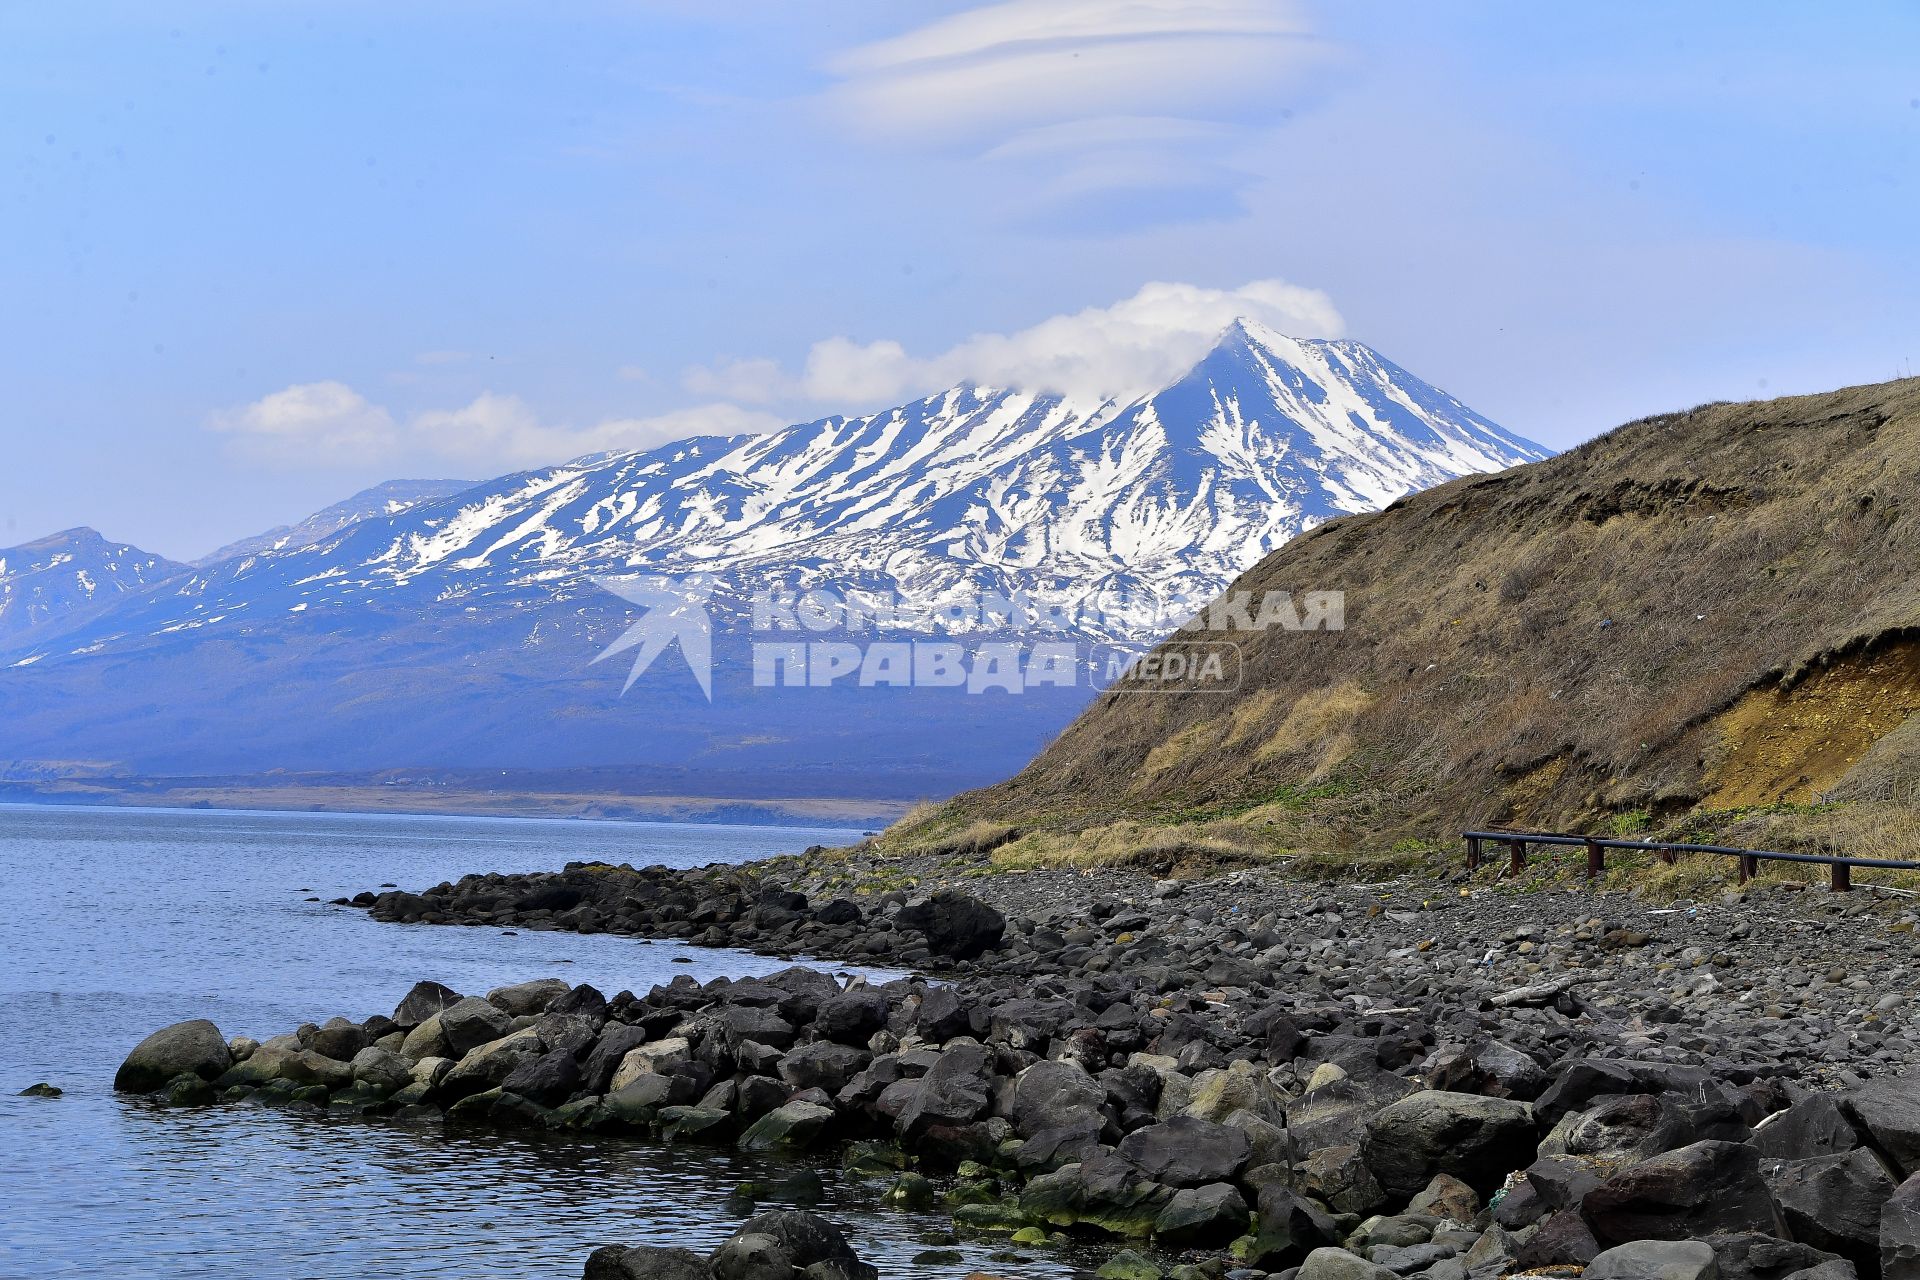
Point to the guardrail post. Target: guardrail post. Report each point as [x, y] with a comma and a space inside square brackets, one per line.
[1473, 853]
[1749, 867]
[1667, 856]
[1842, 878]
[1518, 850]
[1596, 858]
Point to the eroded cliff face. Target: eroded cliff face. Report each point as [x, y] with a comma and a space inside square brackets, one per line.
[1716, 609]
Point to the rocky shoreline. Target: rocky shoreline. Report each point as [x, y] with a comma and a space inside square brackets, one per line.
[1242, 1077]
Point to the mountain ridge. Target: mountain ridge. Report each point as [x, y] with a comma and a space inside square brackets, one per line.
[480, 612]
[389, 497]
[70, 574]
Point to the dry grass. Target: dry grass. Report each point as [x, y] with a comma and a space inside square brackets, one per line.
[1159, 850]
[1555, 645]
[942, 831]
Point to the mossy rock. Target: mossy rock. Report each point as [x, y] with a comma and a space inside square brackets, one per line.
[938, 1258]
[973, 1191]
[475, 1106]
[41, 1090]
[409, 1094]
[357, 1097]
[1128, 1265]
[872, 1160]
[912, 1191]
[704, 1124]
[989, 1217]
[581, 1115]
[189, 1091]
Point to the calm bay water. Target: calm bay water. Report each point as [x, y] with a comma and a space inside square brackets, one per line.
[122, 921]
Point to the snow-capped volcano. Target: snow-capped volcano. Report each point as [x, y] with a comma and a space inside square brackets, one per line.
[1175, 494]
[1180, 490]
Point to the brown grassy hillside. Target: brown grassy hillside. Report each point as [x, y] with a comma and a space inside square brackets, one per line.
[1706, 613]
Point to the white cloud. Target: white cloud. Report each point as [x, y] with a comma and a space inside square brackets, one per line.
[754, 381]
[307, 420]
[1029, 63]
[1118, 351]
[1077, 102]
[328, 422]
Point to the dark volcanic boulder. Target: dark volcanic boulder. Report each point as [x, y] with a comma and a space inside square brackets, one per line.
[1900, 1232]
[613, 1045]
[1186, 1152]
[822, 1065]
[1813, 1126]
[1563, 1239]
[1475, 1139]
[957, 925]
[1889, 1111]
[549, 1079]
[1748, 1255]
[752, 1255]
[1833, 1202]
[1655, 1260]
[957, 1089]
[528, 997]
[340, 1039]
[471, 1023]
[851, 1017]
[942, 1016]
[1101, 1191]
[1621, 1129]
[804, 1239]
[1287, 1227]
[1055, 1095]
[193, 1048]
[1699, 1190]
[1336, 1114]
[788, 1127]
[421, 1003]
[1197, 1217]
[645, 1262]
[1579, 1082]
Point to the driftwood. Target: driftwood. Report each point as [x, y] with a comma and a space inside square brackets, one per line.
[1530, 997]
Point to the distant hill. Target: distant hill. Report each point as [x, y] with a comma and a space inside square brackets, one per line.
[67, 576]
[460, 631]
[388, 499]
[1708, 611]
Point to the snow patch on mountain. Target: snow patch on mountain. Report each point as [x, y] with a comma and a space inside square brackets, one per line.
[1172, 495]
[69, 574]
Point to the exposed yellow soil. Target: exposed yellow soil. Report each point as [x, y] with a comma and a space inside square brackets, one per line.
[1793, 744]
[1527, 794]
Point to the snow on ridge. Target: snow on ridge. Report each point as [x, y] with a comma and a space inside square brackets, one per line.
[1265, 437]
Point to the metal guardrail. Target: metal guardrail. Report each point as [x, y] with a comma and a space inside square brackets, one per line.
[1597, 846]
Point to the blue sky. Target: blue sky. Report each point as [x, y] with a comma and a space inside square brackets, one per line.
[257, 255]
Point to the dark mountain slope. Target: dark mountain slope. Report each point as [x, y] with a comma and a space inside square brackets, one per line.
[1709, 610]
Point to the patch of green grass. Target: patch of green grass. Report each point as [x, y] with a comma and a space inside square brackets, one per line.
[1631, 823]
[1290, 796]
